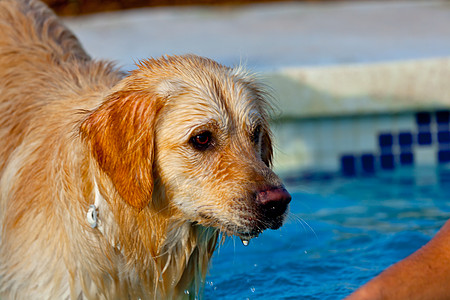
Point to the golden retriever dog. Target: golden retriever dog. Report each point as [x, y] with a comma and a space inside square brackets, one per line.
[117, 186]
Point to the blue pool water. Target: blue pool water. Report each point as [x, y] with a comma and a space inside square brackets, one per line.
[341, 232]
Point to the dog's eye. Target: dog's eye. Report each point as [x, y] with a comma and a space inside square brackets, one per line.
[202, 141]
[256, 135]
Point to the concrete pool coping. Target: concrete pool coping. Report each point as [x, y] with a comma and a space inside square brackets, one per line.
[272, 36]
[361, 89]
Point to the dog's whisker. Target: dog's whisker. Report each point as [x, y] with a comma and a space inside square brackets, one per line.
[303, 222]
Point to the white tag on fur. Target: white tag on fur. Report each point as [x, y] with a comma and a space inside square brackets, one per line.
[92, 216]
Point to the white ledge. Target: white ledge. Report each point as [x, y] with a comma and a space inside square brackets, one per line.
[357, 89]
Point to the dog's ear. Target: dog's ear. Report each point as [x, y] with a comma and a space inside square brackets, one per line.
[121, 137]
[266, 148]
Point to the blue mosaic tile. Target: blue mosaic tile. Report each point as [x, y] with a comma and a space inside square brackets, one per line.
[423, 118]
[405, 139]
[368, 163]
[398, 148]
[406, 158]
[444, 156]
[348, 165]
[443, 126]
[387, 161]
[385, 140]
[424, 138]
[443, 117]
[444, 137]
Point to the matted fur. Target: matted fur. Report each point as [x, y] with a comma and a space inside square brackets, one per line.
[74, 132]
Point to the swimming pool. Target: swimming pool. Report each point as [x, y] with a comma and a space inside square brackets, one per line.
[341, 232]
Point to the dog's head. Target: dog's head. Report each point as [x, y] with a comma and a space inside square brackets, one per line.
[193, 135]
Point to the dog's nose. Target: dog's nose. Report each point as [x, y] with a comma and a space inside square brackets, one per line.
[273, 201]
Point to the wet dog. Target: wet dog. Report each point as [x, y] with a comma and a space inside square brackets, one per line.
[117, 186]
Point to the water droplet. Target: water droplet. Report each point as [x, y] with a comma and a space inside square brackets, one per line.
[245, 241]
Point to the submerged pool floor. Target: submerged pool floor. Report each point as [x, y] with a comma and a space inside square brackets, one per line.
[340, 233]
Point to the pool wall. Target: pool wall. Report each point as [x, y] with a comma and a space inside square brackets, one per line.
[359, 119]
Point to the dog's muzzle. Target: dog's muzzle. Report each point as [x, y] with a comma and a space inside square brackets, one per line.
[273, 204]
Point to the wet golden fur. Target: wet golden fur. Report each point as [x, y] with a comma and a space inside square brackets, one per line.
[74, 131]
